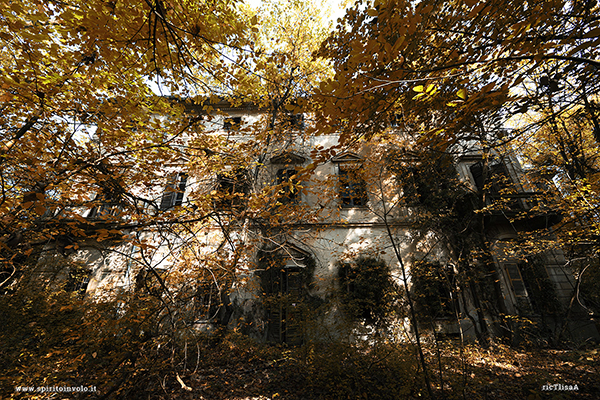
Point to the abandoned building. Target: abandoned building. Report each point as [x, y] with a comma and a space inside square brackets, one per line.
[335, 239]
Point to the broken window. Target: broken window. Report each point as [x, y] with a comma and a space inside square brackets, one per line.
[174, 191]
[78, 280]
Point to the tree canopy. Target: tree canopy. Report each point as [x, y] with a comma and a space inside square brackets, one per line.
[456, 70]
[108, 108]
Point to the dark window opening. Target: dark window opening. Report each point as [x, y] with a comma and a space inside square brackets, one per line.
[78, 280]
[353, 191]
[519, 287]
[417, 189]
[533, 290]
[207, 301]
[498, 178]
[105, 211]
[477, 174]
[497, 184]
[289, 193]
[516, 280]
[296, 121]
[232, 123]
[427, 180]
[231, 191]
[151, 281]
[366, 288]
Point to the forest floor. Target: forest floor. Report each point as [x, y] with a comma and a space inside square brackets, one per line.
[234, 367]
[470, 372]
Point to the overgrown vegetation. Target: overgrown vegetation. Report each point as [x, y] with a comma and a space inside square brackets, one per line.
[51, 341]
[88, 147]
[435, 290]
[367, 290]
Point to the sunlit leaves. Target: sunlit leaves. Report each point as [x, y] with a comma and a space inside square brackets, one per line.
[79, 123]
[281, 60]
[471, 51]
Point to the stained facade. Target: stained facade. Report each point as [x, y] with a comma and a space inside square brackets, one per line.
[294, 257]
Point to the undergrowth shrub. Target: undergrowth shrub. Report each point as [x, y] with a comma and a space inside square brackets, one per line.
[351, 371]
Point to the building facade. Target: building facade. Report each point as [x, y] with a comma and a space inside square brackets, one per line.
[297, 243]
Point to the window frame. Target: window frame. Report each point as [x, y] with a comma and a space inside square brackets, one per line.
[105, 211]
[521, 292]
[523, 302]
[78, 280]
[352, 193]
[284, 284]
[174, 191]
[229, 197]
[288, 194]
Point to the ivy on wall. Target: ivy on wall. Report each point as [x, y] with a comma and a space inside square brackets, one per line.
[434, 289]
[366, 289]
